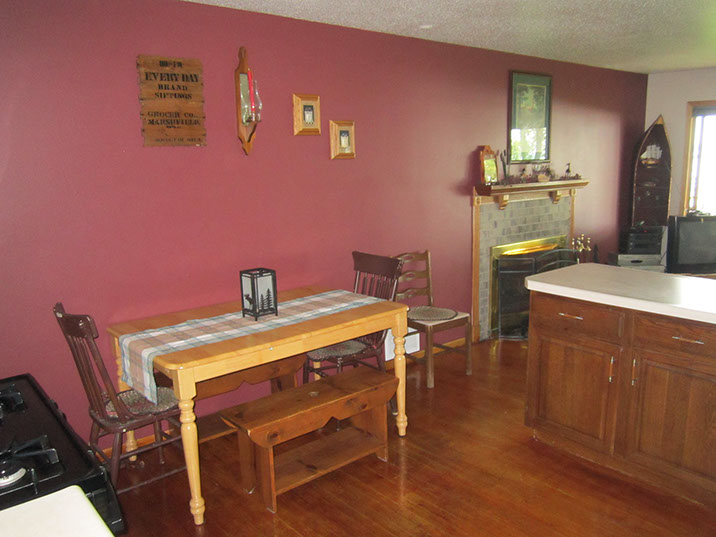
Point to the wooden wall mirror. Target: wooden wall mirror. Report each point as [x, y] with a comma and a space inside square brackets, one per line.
[248, 102]
[488, 165]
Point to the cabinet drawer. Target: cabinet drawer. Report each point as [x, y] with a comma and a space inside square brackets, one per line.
[571, 317]
[662, 333]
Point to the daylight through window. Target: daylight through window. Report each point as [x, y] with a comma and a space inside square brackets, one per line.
[701, 187]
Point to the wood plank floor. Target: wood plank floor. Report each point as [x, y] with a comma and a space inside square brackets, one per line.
[468, 467]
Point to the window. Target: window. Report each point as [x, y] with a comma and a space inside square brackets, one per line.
[701, 167]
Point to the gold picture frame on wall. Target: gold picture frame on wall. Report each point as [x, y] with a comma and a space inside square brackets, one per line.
[306, 115]
[343, 139]
[530, 114]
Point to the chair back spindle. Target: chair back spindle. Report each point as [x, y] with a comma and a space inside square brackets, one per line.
[376, 276]
[80, 333]
[419, 279]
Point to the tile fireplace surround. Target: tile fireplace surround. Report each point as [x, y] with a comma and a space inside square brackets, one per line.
[519, 220]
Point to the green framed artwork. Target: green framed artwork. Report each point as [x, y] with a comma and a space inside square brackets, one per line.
[530, 112]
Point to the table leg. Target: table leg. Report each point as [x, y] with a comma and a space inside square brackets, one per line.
[399, 366]
[190, 442]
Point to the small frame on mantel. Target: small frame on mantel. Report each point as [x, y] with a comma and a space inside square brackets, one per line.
[306, 115]
[343, 139]
[488, 165]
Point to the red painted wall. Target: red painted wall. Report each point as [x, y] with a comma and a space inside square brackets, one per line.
[90, 217]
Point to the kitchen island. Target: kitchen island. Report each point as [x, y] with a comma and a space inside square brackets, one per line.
[622, 372]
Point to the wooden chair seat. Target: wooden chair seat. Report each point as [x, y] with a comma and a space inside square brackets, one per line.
[140, 405]
[339, 350]
[430, 313]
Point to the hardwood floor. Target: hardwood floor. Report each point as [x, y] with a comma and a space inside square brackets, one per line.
[467, 467]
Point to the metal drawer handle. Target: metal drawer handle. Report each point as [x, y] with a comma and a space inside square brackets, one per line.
[568, 316]
[686, 340]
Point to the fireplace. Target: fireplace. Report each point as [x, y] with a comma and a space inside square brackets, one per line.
[506, 220]
[510, 265]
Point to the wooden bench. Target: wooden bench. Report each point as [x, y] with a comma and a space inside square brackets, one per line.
[360, 394]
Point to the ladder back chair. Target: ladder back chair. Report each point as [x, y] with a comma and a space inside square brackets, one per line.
[416, 281]
[375, 276]
[112, 412]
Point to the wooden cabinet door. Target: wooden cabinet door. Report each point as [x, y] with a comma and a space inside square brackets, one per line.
[571, 388]
[672, 419]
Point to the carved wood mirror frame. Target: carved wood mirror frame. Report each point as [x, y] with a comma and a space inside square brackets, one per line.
[488, 165]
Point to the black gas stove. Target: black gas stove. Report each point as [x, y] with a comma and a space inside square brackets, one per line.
[40, 453]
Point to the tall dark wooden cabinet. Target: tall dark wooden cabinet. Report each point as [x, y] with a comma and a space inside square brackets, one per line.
[651, 181]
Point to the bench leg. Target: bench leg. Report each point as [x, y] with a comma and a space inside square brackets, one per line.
[375, 423]
[247, 462]
[267, 476]
[283, 382]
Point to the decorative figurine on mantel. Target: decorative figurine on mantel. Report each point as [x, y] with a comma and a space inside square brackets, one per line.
[543, 173]
[582, 245]
[503, 160]
[568, 174]
[540, 173]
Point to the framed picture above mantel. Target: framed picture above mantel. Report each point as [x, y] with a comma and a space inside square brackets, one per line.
[529, 117]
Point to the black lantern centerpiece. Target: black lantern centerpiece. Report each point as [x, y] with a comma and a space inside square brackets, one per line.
[258, 292]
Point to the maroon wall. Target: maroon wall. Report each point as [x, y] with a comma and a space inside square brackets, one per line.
[91, 217]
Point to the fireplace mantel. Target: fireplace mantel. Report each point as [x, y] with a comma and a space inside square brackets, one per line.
[501, 194]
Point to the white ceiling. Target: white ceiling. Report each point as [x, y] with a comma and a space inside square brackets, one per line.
[643, 36]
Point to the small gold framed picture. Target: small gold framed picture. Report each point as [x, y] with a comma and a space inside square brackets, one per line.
[306, 115]
[343, 139]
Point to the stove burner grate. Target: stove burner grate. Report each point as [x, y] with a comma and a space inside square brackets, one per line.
[25, 464]
[10, 472]
[10, 401]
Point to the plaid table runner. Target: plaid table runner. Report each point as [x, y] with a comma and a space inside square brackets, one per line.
[139, 349]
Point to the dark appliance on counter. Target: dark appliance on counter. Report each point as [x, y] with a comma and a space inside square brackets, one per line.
[644, 240]
[692, 245]
[40, 453]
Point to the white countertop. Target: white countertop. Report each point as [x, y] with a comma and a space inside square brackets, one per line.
[686, 297]
[65, 513]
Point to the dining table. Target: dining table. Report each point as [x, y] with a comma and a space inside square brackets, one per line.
[196, 368]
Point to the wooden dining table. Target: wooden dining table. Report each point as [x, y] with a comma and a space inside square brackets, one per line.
[197, 369]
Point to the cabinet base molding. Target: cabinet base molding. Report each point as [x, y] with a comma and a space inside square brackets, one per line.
[618, 468]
